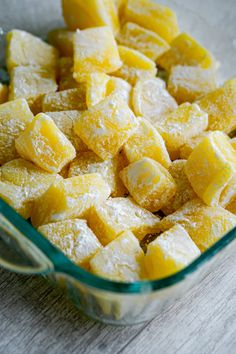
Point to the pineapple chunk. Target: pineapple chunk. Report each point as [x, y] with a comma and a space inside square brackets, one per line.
[233, 143]
[74, 238]
[116, 215]
[155, 17]
[24, 49]
[190, 144]
[14, 117]
[187, 121]
[70, 198]
[66, 80]
[104, 128]
[220, 106]
[188, 83]
[169, 253]
[62, 39]
[149, 183]
[135, 65]
[205, 224]
[67, 100]
[95, 51]
[147, 42]
[120, 260]
[184, 50]
[211, 166]
[90, 13]
[151, 100]
[45, 145]
[96, 88]
[3, 93]
[184, 191]
[120, 87]
[146, 142]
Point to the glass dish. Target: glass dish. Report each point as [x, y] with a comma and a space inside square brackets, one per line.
[24, 250]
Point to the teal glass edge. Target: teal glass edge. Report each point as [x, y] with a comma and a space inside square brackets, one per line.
[62, 264]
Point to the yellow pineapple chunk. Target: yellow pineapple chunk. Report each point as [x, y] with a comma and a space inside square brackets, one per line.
[185, 50]
[205, 224]
[70, 198]
[96, 88]
[190, 144]
[66, 100]
[45, 145]
[24, 49]
[155, 17]
[3, 93]
[116, 215]
[90, 13]
[74, 238]
[188, 83]
[95, 51]
[187, 121]
[184, 191]
[120, 87]
[62, 39]
[66, 80]
[233, 143]
[169, 253]
[105, 127]
[135, 65]
[211, 167]
[14, 117]
[149, 183]
[120, 260]
[220, 106]
[146, 142]
[152, 101]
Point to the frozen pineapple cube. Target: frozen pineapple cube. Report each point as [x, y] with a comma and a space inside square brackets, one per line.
[151, 100]
[90, 13]
[62, 39]
[116, 215]
[14, 117]
[66, 80]
[184, 191]
[155, 17]
[74, 238]
[211, 166]
[3, 93]
[95, 51]
[190, 144]
[70, 198]
[120, 87]
[149, 183]
[205, 224]
[147, 42]
[135, 65]
[44, 144]
[24, 49]
[105, 127]
[169, 253]
[220, 106]
[66, 100]
[96, 88]
[188, 83]
[187, 121]
[146, 142]
[120, 260]
[185, 50]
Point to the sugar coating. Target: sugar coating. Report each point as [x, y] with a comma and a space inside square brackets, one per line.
[190, 144]
[66, 100]
[62, 39]
[3, 93]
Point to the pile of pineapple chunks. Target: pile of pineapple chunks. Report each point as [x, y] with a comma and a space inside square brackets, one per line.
[130, 176]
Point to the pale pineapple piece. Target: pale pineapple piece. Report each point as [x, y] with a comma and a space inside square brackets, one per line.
[149, 183]
[205, 224]
[62, 39]
[66, 100]
[135, 65]
[24, 49]
[147, 42]
[211, 167]
[74, 238]
[170, 252]
[188, 83]
[189, 146]
[66, 80]
[95, 51]
[187, 121]
[120, 260]
[120, 87]
[105, 127]
[14, 117]
[152, 101]
[3, 93]
[44, 144]
[185, 50]
[70, 198]
[184, 191]
[116, 215]
[90, 13]
[155, 17]
[96, 88]
[146, 142]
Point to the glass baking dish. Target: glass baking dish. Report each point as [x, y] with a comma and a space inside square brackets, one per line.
[24, 250]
